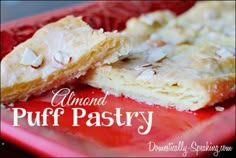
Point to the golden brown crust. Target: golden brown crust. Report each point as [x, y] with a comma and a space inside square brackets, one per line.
[219, 88]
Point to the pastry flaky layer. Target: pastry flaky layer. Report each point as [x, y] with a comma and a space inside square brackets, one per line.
[54, 55]
[188, 63]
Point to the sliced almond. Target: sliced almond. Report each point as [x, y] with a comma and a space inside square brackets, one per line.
[61, 58]
[197, 26]
[37, 62]
[11, 104]
[219, 108]
[225, 53]
[138, 69]
[28, 57]
[156, 43]
[100, 30]
[146, 75]
[147, 65]
[178, 40]
[156, 55]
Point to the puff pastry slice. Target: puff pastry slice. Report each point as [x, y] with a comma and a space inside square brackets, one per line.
[188, 64]
[54, 55]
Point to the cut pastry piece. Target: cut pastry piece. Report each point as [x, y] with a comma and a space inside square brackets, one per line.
[54, 55]
[185, 77]
[187, 64]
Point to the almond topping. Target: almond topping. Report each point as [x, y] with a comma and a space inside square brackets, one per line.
[61, 58]
[225, 53]
[219, 108]
[138, 69]
[11, 104]
[156, 43]
[146, 75]
[37, 62]
[156, 56]
[28, 57]
[197, 26]
[147, 65]
[100, 30]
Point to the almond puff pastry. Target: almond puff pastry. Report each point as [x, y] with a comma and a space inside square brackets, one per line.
[57, 53]
[188, 63]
